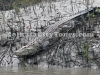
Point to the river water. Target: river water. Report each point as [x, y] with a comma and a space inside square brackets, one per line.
[45, 71]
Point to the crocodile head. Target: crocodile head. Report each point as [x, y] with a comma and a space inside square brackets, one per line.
[26, 50]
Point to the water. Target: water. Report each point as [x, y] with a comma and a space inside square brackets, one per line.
[45, 71]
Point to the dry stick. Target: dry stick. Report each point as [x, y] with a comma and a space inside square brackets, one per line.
[3, 15]
[64, 57]
[23, 21]
[74, 61]
[75, 45]
[1, 23]
[69, 54]
[37, 20]
[50, 57]
[3, 55]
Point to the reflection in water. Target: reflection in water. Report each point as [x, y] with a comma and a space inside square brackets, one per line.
[45, 71]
